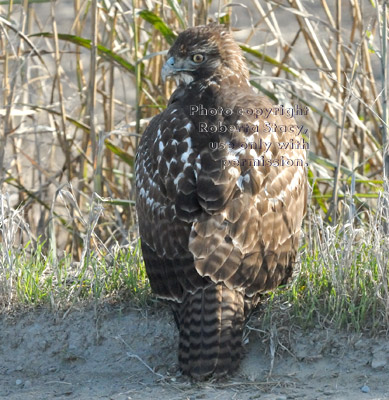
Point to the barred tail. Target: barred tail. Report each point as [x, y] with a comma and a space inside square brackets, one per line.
[211, 324]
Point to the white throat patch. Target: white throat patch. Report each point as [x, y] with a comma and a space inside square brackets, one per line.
[183, 77]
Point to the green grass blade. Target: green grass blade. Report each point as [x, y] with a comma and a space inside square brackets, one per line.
[270, 60]
[129, 160]
[159, 25]
[87, 44]
[178, 12]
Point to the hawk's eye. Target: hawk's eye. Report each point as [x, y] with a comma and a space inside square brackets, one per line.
[198, 58]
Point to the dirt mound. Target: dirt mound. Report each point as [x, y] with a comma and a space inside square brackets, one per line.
[127, 354]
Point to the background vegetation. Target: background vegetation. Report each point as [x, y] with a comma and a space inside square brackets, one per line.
[81, 80]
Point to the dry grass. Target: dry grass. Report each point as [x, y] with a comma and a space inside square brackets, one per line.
[81, 80]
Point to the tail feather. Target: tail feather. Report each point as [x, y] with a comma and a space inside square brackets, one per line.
[211, 323]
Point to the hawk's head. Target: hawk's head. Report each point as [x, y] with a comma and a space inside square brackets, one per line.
[203, 52]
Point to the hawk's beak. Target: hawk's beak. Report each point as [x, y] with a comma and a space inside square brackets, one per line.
[168, 69]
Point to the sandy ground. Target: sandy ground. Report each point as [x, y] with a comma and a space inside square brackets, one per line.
[128, 354]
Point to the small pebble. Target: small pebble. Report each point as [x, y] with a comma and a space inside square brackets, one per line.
[379, 360]
[365, 389]
[18, 382]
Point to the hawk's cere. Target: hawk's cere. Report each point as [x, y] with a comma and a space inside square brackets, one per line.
[220, 198]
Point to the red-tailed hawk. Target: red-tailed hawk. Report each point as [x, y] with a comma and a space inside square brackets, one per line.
[221, 193]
